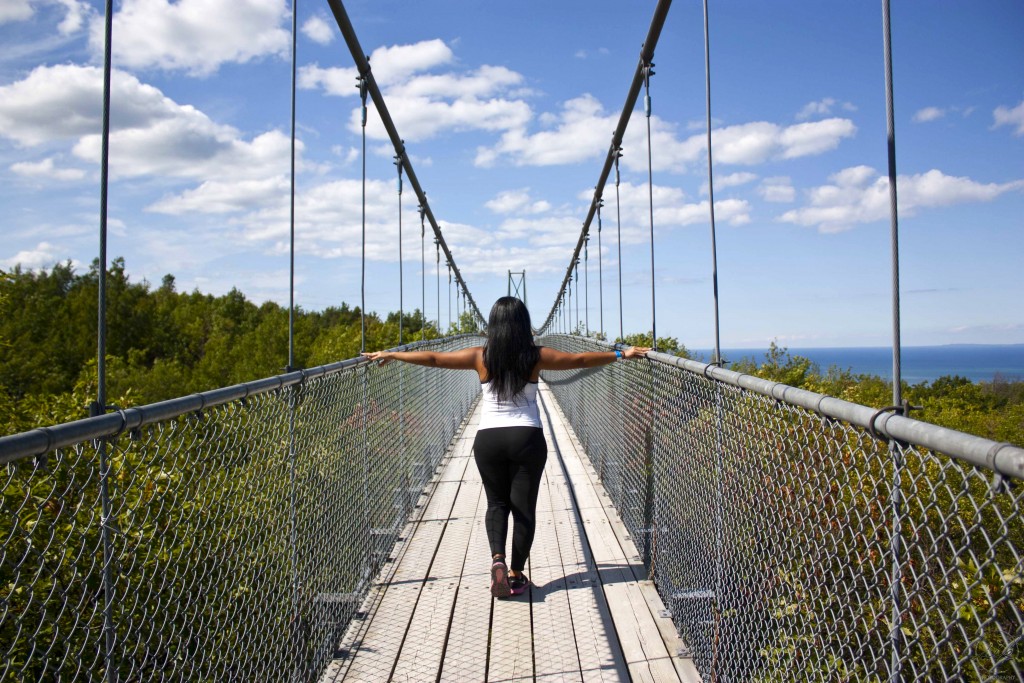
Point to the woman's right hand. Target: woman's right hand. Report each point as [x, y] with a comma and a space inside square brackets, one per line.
[381, 356]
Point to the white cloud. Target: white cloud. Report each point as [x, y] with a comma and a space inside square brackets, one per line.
[225, 196]
[318, 30]
[808, 139]
[45, 255]
[517, 201]
[65, 101]
[423, 118]
[822, 107]
[1010, 117]
[23, 10]
[390, 66]
[860, 195]
[583, 131]
[928, 114]
[777, 189]
[730, 180]
[46, 169]
[757, 142]
[671, 210]
[74, 17]
[425, 104]
[195, 36]
[151, 136]
[15, 10]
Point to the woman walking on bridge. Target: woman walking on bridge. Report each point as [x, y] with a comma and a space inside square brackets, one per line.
[509, 449]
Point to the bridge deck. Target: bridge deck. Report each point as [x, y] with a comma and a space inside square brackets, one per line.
[590, 615]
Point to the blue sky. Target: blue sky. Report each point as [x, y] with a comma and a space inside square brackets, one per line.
[507, 110]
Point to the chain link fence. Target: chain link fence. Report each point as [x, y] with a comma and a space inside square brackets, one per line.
[788, 532]
[230, 535]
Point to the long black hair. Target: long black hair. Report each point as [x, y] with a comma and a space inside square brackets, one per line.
[509, 354]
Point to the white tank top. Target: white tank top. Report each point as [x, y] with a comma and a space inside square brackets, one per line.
[522, 412]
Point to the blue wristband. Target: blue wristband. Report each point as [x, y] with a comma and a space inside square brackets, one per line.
[618, 354]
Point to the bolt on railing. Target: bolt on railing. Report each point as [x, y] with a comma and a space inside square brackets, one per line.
[762, 513]
[246, 525]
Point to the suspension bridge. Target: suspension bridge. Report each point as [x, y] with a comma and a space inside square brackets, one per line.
[695, 523]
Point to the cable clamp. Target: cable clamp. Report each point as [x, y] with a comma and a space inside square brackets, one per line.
[903, 409]
[1000, 482]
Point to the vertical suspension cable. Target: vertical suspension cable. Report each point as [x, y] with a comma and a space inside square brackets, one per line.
[586, 286]
[100, 406]
[648, 72]
[717, 360]
[448, 263]
[895, 626]
[362, 277]
[897, 388]
[711, 183]
[618, 228]
[292, 391]
[291, 212]
[362, 348]
[437, 272]
[576, 275]
[600, 273]
[401, 279]
[423, 274]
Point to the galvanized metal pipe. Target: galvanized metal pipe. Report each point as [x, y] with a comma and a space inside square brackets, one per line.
[1003, 458]
[45, 439]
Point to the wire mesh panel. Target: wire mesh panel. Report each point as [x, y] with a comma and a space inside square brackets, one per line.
[239, 539]
[787, 543]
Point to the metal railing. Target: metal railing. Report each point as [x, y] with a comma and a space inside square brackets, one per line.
[768, 517]
[245, 524]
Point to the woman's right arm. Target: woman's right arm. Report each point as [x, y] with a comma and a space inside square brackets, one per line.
[551, 359]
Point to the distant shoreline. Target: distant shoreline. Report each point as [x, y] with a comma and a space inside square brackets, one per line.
[976, 362]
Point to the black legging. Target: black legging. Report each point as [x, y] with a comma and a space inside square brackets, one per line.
[511, 462]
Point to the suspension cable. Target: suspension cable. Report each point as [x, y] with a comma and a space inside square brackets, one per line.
[437, 272]
[423, 276]
[648, 72]
[618, 232]
[100, 406]
[646, 55]
[600, 273]
[449, 295]
[577, 287]
[897, 389]
[291, 248]
[401, 287]
[362, 276]
[711, 183]
[896, 495]
[363, 67]
[292, 451]
[586, 286]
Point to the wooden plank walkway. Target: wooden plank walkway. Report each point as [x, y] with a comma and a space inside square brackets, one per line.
[590, 615]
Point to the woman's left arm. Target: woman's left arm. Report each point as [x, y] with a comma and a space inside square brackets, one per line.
[464, 359]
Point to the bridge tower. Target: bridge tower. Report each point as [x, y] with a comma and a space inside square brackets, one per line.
[517, 285]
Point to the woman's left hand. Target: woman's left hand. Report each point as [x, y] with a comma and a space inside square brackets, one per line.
[382, 357]
[636, 351]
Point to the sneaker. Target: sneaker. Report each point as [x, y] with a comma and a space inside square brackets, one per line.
[499, 580]
[518, 584]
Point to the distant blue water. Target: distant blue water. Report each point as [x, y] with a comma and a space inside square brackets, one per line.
[977, 362]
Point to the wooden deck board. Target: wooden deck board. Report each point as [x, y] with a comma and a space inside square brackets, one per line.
[590, 615]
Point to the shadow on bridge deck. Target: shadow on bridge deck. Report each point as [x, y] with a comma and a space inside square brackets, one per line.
[591, 615]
